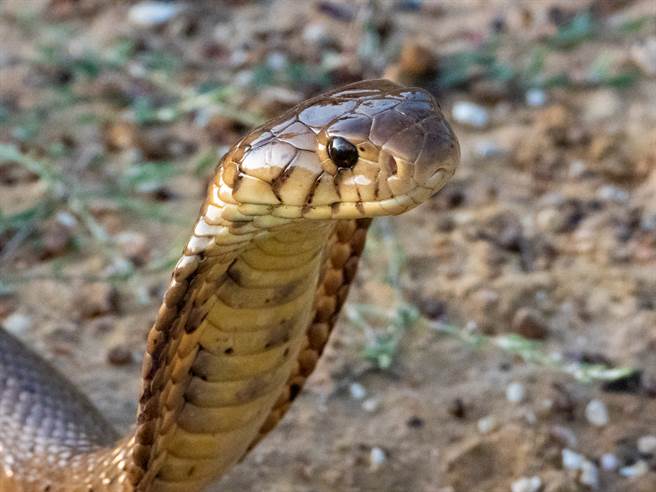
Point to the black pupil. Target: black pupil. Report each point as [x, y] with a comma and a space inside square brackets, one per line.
[342, 152]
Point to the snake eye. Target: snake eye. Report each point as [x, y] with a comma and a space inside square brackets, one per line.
[342, 152]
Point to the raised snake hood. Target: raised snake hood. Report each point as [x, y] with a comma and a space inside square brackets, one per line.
[250, 305]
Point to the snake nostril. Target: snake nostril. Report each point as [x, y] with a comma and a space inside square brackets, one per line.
[389, 164]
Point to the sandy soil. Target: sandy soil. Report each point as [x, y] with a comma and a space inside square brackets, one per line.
[547, 230]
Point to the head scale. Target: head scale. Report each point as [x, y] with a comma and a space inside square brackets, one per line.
[366, 149]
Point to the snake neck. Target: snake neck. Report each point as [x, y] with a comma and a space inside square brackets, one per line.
[240, 300]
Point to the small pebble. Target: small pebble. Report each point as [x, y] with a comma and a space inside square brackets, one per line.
[612, 193]
[415, 422]
[638, 469]
[277, 61]
[153, 14]
[529, 323]
[371, 405]
[470, 114]
[487, 424]
[589, 475]
[315, 33]
[609, 462]
[536, 97]
[134, 246]
[515, 392]
[577, 168]
[66, 219]
[119, 356]
[377, 457]
[358, 392]
[457, 408]
[527, 484]
[97, 299]
[17, 323]
[647, 444]
[596, 413]
[572, 460]
[550, 219]
[489, 149]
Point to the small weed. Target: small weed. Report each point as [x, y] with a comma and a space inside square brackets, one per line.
[527, 69]
[147, 177]
[384, 328]
[570, 34]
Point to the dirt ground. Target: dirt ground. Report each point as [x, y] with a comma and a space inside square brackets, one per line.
[535, 265]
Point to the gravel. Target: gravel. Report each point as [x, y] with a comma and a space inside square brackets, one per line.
[527, 484]
[536, 97]
[487, 424]
[596, 413]
[638, 469]
[469, 114]
[609, 462]
[647, 444]
[515, 392]
[357, 391]
[377, 458]
[589, 473]
[17, 323]
[572, 460]
[153, 14]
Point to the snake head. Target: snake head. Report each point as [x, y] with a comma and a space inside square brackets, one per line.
[367, 149]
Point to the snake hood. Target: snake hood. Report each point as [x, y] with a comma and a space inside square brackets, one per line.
[367, 149]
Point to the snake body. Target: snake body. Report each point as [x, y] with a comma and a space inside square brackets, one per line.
[250, 305]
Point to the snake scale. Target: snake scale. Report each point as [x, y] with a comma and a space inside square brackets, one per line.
[250, 305]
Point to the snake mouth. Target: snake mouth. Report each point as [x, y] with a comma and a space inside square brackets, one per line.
[394, 205]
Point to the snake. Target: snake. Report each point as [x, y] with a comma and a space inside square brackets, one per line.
[251, 302]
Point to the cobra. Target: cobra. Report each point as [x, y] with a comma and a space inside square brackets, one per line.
[250, 305]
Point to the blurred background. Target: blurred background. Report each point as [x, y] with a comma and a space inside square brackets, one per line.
[501, 337]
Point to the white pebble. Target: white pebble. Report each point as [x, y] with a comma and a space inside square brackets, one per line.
[487, 424]
[489, 149]
[358, 392]
[470, 114]
[66, 219]
[527, 484]
[317, 34]
[371, 405]
[515, 393]
[536, 97]
[612, 193]
[638, 469]
[596, 413]
[647, 444]
[589, 475]
[609, 462]
[17, 323]
[377, 457]
[572, 460]
[152, 14]
[277, 61]
[577, 168]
